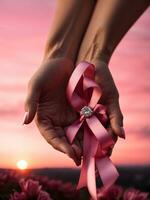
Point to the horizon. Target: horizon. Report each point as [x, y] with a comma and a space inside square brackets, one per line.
[74, 168]
[22, 46]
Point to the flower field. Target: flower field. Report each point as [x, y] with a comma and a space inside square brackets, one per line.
[26, 186]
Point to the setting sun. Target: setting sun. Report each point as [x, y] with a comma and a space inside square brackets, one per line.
[22, 164]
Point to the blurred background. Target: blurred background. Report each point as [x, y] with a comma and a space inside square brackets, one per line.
[24, 26]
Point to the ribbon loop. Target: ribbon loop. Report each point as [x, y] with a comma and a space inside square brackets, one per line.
[83, 94]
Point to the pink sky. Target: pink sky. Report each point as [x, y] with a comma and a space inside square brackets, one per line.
[24, 26]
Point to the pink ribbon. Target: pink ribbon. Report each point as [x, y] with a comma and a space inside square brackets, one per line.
[83, 94]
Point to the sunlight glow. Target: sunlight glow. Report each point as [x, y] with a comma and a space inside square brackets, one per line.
[22, 164]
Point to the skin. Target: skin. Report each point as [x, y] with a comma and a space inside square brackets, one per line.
[110, 21]
[66, 32]
[46, 100]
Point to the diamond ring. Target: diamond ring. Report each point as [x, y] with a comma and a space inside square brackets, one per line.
[86, 111]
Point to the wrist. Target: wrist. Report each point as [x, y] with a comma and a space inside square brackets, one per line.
[103, 57]
[60, 59]
[102, 51]
[55, 50]
[64, 47]
[95, 50]
[61, 49]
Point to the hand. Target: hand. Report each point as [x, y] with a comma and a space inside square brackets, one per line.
[110, 98]
[46, 101]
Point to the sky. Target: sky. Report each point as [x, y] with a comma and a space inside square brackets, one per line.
[24, 26]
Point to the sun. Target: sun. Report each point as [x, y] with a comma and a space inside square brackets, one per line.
[22, 164]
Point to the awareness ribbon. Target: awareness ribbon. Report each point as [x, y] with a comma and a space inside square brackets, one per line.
[83, 94]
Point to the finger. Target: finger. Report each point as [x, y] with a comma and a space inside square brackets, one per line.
[72, 152]
[116, 119]
[109, 153]
[31, 104]
[72, 115]
[61, 144]
[113, 135]
[80, 138]
[115, 138]
[56, 137]
[79, 143]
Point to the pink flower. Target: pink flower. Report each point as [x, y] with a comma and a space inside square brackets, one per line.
[133, 194]
[30, 187]
[67, 187]
[18, 196]
[43, 196]
[55, 184]
[113, 193]
[11, 178]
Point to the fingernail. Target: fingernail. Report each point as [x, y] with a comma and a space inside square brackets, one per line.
[25, 118]
[123, 133]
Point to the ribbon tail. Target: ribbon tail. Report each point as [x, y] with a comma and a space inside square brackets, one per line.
[86, 156]
[87, 175]
[72, 130]
[83, 176]
[90, 150]
[107, 171]
[91, 179]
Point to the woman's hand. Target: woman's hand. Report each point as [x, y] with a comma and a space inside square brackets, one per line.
[46, 101]
[110, 98]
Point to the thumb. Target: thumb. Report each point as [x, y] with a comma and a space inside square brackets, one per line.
[116, 120]
[31, 104]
